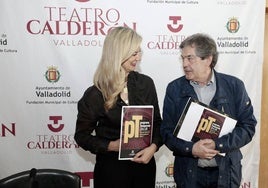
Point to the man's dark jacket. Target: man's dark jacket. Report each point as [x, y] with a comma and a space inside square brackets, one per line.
[230, 97]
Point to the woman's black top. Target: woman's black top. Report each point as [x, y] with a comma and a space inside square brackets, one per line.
[95, 127]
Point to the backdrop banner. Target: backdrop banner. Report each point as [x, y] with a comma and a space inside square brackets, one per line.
[49, 51]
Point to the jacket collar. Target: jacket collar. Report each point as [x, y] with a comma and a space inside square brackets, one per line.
[219, 97]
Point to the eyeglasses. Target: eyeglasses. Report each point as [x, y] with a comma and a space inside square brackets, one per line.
[190, 58]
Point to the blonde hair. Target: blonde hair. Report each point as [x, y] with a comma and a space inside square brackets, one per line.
[109, 78]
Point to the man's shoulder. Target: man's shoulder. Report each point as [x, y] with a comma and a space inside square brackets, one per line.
[229, 80]
[180, 80]
[225, 76]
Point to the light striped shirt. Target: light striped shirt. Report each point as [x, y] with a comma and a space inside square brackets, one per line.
[205, 94]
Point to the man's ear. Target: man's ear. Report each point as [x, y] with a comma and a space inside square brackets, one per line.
[209, 60]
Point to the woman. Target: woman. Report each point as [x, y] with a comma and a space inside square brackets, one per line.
[116, 84]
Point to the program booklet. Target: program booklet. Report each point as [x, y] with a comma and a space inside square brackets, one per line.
[199, 121]
[136, 130]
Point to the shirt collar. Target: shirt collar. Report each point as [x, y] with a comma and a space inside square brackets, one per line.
[211, 81]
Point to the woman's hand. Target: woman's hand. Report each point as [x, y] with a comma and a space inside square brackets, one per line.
[114, 145]
[145, 155]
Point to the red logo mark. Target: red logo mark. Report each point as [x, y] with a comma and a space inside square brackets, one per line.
[175, 20]
[85, 178]
[55, 127]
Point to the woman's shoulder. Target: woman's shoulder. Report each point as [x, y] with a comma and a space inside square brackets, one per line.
[92, 89]
[91, 99]
[140, 76]
[92, 92]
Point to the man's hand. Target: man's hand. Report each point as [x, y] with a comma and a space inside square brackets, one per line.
[204, 149]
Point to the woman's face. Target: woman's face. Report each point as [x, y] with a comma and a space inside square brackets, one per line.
[130, 64]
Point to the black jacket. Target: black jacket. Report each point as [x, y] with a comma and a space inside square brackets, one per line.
[92, 116]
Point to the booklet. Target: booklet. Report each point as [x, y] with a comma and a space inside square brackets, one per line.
[136, 130]
[199, 121]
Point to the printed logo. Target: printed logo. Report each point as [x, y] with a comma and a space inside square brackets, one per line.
[55, 127]
[233, 25]
[52, 74]
[168, 44]
[75, 21]
[175, 27]
[86, 177]
[170, 170]
[54, 142]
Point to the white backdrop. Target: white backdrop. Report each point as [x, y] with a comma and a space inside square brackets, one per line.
[49, 50]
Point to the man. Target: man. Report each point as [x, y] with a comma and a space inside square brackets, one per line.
[199, 164]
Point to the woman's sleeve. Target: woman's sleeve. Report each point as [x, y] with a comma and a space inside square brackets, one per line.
[89, 108]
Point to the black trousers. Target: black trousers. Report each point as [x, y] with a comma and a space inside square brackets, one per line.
[109, 172]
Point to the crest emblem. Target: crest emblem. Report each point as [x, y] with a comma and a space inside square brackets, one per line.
[233, 25]
[52, 74]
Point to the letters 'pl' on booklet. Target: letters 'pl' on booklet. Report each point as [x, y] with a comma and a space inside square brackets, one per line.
[136, 130]
[199, 121]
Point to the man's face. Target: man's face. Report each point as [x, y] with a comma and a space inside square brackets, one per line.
[195, 68]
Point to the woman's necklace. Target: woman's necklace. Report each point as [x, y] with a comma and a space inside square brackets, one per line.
[124, 95]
